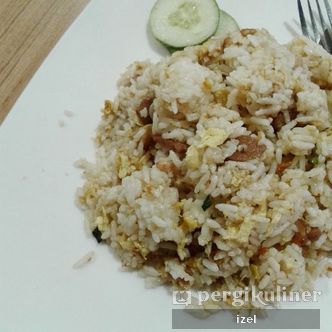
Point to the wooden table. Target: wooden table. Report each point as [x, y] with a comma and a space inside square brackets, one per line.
[29, 29]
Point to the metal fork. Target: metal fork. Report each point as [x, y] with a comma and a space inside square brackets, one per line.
[322, 37]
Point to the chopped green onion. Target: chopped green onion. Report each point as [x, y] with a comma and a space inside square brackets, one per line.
[207, 203]
[97, 234]
[314, 160]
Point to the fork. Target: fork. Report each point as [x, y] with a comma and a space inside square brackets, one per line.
[323, 38]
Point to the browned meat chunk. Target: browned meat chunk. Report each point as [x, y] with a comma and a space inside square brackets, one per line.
[252, 149]
[167, 167]
[145, 103]
[170, 144]
[300, 237]
[246, 32]
[260, 252]
[285, 163]
[227, 42]
[147, 140]
[314, 234]
[278, 122]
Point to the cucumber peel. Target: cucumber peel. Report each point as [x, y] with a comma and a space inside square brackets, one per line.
[227, 24]
[181, 23]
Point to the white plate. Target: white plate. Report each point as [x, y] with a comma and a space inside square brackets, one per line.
[41, 230]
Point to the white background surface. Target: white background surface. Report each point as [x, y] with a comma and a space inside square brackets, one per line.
[41, 230]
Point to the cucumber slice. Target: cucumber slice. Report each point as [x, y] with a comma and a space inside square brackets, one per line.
[171, 49]
[180, 23]
[227, 24]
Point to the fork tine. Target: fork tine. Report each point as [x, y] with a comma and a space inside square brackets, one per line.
[304, 26]
[313, 23]
[329, 11]
[326, 40]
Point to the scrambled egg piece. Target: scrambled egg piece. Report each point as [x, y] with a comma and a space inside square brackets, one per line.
[179, 205]
[89, 193]
[108, 108]
[207, 85]
[240, 234]
[240, 177]
[212, 137]
[135, 246]
[286, 266]
[128, 164]
[220, 96]
[124, 167]
[193, 157]
[101, 223]
[189, 223]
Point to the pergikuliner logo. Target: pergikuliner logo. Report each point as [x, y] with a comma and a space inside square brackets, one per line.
[182, 297]
[243, 296]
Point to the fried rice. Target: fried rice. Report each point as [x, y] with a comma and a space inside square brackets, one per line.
[214, 166]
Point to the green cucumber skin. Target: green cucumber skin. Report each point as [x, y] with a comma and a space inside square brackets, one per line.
[231, 26]
[227, 24]
[172, 49]
[173, 45]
